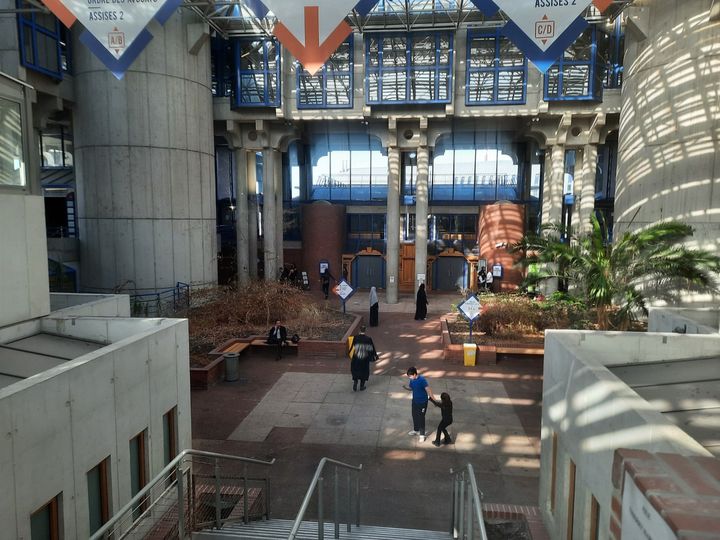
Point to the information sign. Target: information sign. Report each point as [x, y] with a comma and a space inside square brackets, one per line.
[640, 519]
[344, 290]
[470, 308]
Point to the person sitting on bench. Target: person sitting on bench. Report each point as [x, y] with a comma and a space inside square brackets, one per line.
[277, 336]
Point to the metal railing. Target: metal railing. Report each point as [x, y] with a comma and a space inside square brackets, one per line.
[195, 491]
[165, 302]
[318, 482]
[467, 515]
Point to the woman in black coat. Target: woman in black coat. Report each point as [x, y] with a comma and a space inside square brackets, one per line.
[421, 304]
[363, 352]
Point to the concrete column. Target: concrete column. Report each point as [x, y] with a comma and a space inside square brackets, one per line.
[280, 221]
[393, 226]
[144, 163]
[269, 214]
[553, 184]
[421, 213]
[242, 219]
[252, 214]
[585, 191]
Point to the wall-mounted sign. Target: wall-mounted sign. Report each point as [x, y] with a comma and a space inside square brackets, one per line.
[542, 29]
[311, 29]
[640, 519]
[497, 270]
[114, 29]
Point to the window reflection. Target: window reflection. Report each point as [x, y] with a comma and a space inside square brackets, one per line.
[332, 85]
[258, 74]
[497, 69]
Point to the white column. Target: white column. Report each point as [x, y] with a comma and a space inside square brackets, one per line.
[280, 220]
[586, 189]
[552, 196]
[269, 215]
[421, 213]
[241, 217]
[393, 226]
[252, 214]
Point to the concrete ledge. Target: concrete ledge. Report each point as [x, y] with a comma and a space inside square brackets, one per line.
[486, 354]
[201, 378]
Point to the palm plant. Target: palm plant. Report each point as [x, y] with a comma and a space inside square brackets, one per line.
[622, 274]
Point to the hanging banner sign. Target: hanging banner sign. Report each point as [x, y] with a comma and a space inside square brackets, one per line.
[541, 29]
[310, 29]
[114, 29]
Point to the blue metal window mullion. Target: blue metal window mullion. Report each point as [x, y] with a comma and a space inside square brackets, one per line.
[409, 68]
[496, 61]
[57, 50]
[266, 72]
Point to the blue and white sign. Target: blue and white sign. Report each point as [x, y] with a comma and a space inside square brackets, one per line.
[542, 29]
[344, 290]
[470, 308]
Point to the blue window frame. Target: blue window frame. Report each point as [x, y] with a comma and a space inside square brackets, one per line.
[410, 68]
[616, 50]
[496, 70]
[44, 42]
[578, 75]
[257, 71]
[332, 86]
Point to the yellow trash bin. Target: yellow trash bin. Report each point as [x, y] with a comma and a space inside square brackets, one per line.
[469, 353]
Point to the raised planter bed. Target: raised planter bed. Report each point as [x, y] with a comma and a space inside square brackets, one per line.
[486, 354]
[201, 378]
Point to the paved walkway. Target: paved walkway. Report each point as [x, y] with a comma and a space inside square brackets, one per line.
[302, 409]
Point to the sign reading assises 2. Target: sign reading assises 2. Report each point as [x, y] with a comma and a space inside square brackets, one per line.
[115, 29]
[542, 29]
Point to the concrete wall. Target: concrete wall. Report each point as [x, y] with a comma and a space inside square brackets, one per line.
[62, 423]
[670, 122]
[690, 320]
[145, 165]
[94, 305]
[23, 265]
[593, 413]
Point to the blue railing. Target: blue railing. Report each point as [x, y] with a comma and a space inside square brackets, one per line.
[166, 302]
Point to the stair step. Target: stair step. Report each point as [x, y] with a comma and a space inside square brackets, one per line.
[276, 529]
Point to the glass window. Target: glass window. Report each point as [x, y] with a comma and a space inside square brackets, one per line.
[457, 231]
[45, 522]
[409, 68]
[221, 67]
[12, 163]
[56, 147]
[258, 73]
[365, 230]
[496, 70]
[613, 55]
[98, 480]
[170, 445]
[578, 75]
[332, 86]
[44, 42]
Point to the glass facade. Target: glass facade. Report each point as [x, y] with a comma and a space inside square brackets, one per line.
[578, 75]
[257, 62]
[56, 147]
[332, 86]
[408, 68]
[221, 67]
[365, 230]
[496, 70]
[44, 42]
[478, 166]
[12, 163]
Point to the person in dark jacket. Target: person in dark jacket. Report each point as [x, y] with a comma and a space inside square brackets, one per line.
[421, 304]
[363, 352]
[374, 307]
[277, 336]
[446, 407]
[325, 278]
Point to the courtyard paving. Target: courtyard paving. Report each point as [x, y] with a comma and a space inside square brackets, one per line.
[299, 410]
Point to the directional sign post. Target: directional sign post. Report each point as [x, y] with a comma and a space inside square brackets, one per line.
[344, 290]
[470, 309]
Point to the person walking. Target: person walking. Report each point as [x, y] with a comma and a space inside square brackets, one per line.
[489, 281]
[374, 307]
[277, 336]
[421, 304]
[482, 279]
[420, 390]
[325, 278]
[446, 407]
[363, 352]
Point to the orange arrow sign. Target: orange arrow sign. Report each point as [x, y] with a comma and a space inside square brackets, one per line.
[313, 54]
[602, 5]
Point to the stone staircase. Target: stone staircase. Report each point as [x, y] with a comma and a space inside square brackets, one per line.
[276, 529]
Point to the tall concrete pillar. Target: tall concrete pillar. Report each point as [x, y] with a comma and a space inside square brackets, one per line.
[585, 189]
[144, 163]
[252, 214]
[280, 221]
[553, 184]
[242, 218]
[421, 213]
[669, 141]
[393, 226]
[270, 214]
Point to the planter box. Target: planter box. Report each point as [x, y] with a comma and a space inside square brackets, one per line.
[201, 378]
[486, 354]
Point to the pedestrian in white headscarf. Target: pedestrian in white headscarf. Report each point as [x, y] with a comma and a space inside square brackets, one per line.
[374, 307]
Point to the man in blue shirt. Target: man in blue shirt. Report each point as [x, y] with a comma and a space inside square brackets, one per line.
[420, 390]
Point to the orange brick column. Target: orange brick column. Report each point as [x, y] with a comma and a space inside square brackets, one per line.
[685, 491]
[500, 226]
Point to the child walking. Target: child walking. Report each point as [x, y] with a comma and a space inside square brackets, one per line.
[447, 419]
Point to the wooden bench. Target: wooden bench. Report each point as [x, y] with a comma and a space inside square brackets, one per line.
[235, 348]
[260, 344]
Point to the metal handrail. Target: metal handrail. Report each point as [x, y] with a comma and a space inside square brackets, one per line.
[317, 482]
[161, 477]
[465, 509]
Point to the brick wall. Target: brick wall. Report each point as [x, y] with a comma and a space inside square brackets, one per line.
[684, 490]
[501, 225]
[323, 226]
